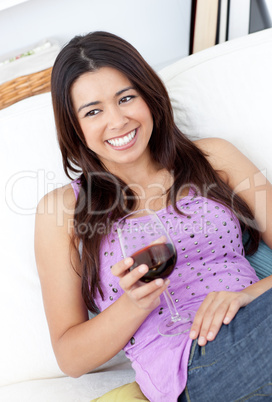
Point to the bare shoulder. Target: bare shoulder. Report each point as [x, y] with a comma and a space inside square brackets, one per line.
[215, 147]
[223, 155]
[62, 197]
[57, 207]
[54, 230]
[207, 144]
[54, 224]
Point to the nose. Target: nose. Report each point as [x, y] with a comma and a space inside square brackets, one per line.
[116, 118]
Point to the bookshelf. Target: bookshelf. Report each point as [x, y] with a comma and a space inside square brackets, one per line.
[216, 21]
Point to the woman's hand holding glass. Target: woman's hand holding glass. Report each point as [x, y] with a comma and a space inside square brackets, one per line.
[145, 295]
[145, 239]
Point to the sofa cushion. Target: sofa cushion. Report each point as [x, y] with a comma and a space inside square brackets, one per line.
[225, 91]
[30, 164]
[128, 392]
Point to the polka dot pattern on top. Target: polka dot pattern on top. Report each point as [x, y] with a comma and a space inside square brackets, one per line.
[210, 253]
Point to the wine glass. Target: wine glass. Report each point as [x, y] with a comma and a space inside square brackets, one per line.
[143, 237]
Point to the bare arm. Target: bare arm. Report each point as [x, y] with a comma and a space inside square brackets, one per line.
[249, 183]
[80, 344]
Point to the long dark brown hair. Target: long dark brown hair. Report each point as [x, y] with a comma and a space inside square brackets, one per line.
[103, 197]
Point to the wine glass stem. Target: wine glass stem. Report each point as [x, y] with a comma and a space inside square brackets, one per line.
[173, 311]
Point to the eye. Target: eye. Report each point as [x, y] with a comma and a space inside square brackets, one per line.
[92, 112]
[126, 99]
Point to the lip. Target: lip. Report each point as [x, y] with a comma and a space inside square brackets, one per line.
[126, 146]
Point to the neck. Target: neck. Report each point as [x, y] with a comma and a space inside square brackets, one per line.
[151, 187]
[147, 179]
[136, 173]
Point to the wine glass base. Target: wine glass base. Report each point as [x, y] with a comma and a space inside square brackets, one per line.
[180, 326]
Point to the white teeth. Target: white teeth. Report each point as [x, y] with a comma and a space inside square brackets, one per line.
[119, 142]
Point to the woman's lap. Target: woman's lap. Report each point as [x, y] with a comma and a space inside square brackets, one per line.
[237, 365]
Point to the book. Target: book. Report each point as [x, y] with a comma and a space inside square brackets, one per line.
[223, 14]
[203, 24]
[239, 18]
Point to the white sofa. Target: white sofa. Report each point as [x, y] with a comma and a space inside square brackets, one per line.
[224, 91]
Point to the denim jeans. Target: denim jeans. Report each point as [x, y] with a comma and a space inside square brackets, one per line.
[237, 365]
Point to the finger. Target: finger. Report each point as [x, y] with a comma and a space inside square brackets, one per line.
[232, 311]
[147, 296]
[225, 312]
[162, 239]
[209, 318]
[210, 331]
[128, 281]
[121, 267]
[155, 287]
[199, 316]
[131, 277]
[220, 311]
[206, 325]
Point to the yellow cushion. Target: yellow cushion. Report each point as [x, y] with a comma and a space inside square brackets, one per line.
[125, 393]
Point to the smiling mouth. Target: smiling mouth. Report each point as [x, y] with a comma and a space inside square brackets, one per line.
[119, 142]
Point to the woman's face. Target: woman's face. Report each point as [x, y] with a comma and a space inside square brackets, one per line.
[115, 120]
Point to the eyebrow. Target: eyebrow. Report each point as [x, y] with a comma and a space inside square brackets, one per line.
[97, 102]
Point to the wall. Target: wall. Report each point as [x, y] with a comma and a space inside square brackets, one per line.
[159, 29]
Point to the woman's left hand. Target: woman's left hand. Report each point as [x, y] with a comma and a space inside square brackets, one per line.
[217, 308]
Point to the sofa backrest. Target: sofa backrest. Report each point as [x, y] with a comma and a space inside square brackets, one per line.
[226, 91]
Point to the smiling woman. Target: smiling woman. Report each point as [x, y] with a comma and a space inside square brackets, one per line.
[116, 118]
[116, 130]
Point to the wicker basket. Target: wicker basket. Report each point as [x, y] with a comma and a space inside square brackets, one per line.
[24, 87]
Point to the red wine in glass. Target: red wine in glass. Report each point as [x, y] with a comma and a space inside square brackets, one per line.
[143, 237]
[160, 259]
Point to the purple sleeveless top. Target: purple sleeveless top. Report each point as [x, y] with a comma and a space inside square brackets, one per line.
[210, 257]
